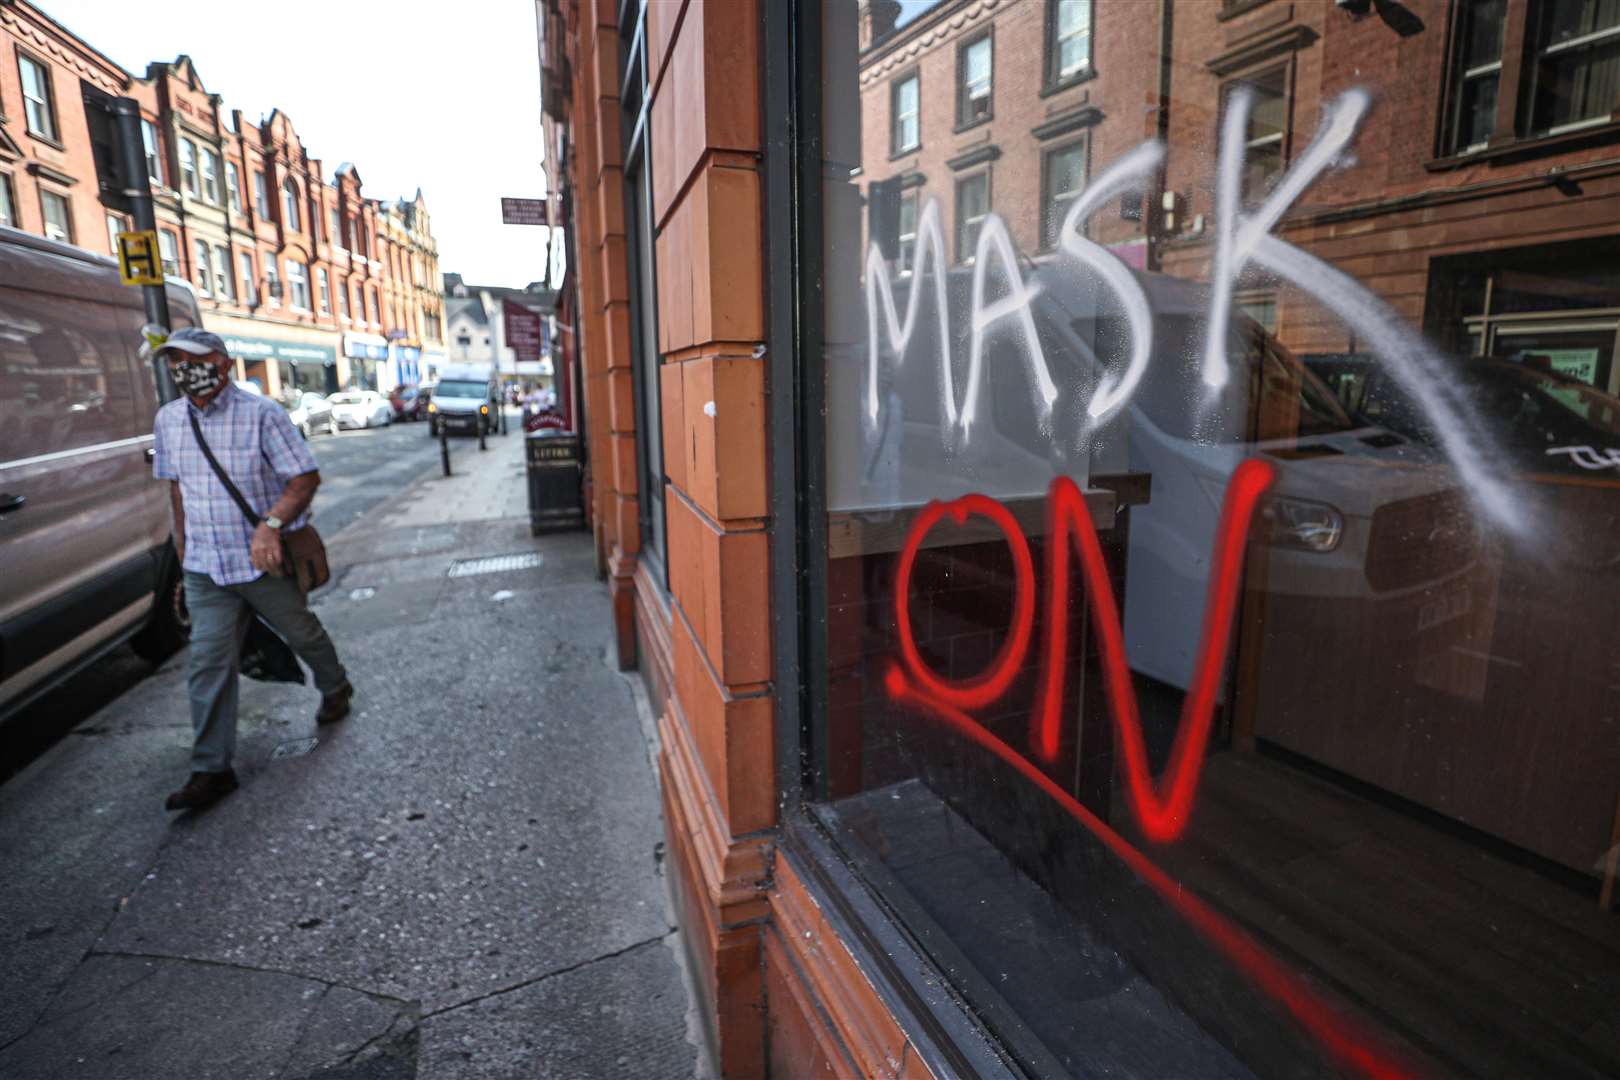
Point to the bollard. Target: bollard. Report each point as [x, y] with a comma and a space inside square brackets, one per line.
[444, 448]
[482, 427]
[503, 419]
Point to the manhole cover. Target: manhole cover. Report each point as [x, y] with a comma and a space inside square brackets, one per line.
[495, 564]
[294, 747]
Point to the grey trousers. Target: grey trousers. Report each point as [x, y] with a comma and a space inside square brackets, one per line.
[219, 621]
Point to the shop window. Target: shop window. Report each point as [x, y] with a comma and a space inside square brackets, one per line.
[188, 168]
[973, 81]
[39, 103]
[57, 215]
[1202, 658]
[154, 155]
[905, 110]
[1068, 40]
[221, 264]
[1063, 178]
[233, 187]
[8, 201]
[244, 271]
[1480, 31]
[972, 206]
[1266, 137]
[199, 268]
[169, 249]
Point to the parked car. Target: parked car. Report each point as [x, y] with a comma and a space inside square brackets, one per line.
[361, 409]
[465, 399]
[310, 412]
[84, 527]
[408, 403]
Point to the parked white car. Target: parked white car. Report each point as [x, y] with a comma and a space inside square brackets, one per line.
[310, 412]
[361, 409]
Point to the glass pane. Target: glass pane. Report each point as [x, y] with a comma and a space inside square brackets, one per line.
[1576, 85]
[1482, 31]
[1220, 633]
[1569, 19]
[977, 62]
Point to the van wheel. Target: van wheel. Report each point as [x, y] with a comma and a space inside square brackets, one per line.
[170, 626]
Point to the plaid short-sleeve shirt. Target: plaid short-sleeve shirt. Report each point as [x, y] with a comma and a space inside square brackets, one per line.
[257, 445]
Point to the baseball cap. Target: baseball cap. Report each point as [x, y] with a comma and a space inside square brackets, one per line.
[194, 340]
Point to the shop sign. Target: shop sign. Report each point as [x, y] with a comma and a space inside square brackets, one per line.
[360, 347]
[525, 212]
[525, 331]
[1579, 364]
[408, 353]
[296, 352]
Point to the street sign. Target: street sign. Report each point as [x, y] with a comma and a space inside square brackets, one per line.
[139, 262]
[525, 212]
[524, 334]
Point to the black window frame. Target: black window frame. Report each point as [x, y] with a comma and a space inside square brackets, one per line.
[964, 122]
[1052, 79]
[635, 96]
[965, 257]
[895, 149]
[1051, 219]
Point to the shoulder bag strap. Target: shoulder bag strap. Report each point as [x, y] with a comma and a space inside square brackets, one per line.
[219, 471]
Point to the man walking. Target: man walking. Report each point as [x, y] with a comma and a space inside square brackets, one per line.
[233, 567]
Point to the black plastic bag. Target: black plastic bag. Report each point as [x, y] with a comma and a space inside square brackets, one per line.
[266, 657]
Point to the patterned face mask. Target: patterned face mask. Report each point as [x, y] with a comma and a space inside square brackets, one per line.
[196, 378]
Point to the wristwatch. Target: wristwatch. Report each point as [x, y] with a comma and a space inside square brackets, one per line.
[274, 522]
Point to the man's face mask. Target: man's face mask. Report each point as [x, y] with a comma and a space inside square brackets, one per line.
[196, 377]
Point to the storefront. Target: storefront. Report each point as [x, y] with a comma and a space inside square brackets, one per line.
[1124, 591]
[368, 361]
[280, 365]
[407, 363]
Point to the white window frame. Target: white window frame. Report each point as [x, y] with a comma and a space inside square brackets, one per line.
[39, 105]
[233, 187]
[151, 147]
[201, 270]
[1061, 72]
[272, 278]
[224, 284]
[208, 172]
[169, 251]
[297, 282]
[67, 214]
[972, 91]
[323, 289]
[244, 270]
[899, 119]
[188, 168]
[291, 218]
[8, 201]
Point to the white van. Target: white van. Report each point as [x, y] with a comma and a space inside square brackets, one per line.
[84, 527]
[464, 400]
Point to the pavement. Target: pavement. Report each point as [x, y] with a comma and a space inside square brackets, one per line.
[462, 880]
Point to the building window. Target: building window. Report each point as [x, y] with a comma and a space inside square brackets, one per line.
[272, 281]
[1266, 137]
[188, 167]
[1064, 177]
[361, 247]
[972, 204]
[359, 303]
[233, 186]
[335, 228]
[115, 225]
[1575, 77]
[343, 302]
[906, 234]
[261, 196]
[297, 285]
[154, 156]
[376, 309]
[169, 249]
[906, 111]
[1068, 40]
[244, 273]
[973, 78]
[57, 215]
[1481, 28]
[210, 176]
[199, 267]
[39, 106]
[8, 202]
[221, 264]
[324, 288]
[289, 206]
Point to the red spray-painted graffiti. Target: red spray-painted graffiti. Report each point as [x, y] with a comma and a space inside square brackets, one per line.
[1162, 814]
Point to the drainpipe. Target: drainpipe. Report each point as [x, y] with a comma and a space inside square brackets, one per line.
[1153, 214]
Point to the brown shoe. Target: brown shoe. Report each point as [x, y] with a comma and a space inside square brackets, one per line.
[335, 706]
[202, 790]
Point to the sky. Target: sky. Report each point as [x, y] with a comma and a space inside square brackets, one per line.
[445, 97]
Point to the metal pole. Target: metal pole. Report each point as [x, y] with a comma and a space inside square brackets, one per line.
[483, 427]
[132, 164]
[444, 447]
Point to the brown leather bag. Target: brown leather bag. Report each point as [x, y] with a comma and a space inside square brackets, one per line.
[303, 555]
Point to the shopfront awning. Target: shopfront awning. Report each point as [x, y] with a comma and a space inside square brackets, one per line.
[296, 352]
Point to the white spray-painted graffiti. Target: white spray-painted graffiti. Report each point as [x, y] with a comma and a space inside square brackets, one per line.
[1242, 238]
[1588, 457]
